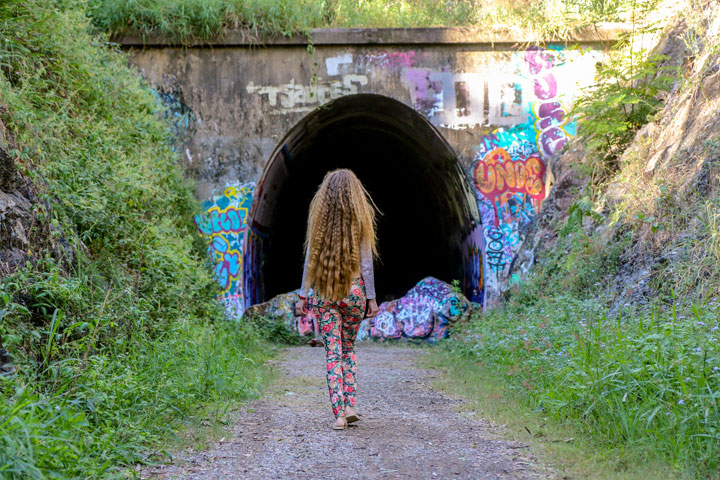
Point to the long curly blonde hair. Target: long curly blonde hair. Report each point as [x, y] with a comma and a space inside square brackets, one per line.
[341, 222]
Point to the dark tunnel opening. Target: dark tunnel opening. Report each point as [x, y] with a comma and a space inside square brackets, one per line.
[407, 167]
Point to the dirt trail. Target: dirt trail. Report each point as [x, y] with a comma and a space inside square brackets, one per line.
[408, 431]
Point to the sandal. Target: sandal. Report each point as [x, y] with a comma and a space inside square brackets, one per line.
[340, 427]
[353, 418]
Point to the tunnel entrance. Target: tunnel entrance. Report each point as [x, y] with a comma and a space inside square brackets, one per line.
[428, 207]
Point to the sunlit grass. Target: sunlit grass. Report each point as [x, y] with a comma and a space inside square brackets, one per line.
[188, 19]
[647, 380]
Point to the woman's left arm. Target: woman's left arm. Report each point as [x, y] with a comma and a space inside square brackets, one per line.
[366, 270]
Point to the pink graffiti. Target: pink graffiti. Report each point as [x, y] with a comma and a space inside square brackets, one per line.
[539, 59]
[551, 114]
[423, 313]
[392, 60]
[545, 87]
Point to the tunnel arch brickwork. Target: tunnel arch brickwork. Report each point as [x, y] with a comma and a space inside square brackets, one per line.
[502, 107]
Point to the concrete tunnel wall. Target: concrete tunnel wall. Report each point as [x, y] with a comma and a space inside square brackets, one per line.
[257, 128]
[426, 202]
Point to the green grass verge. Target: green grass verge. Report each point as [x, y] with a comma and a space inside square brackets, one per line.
[113, 323]
[643, 386]
[561, 445]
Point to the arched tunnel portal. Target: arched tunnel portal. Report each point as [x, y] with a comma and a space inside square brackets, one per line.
[428, 207]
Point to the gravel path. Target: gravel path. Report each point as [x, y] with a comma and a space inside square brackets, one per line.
[408, 431]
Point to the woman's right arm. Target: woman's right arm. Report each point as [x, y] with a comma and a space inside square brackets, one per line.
[300, 304]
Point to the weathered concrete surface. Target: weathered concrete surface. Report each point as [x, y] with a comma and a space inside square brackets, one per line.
[245, 99]
[502, 107]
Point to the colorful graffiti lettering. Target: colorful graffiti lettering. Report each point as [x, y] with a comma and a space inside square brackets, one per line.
[550, 115]
[510, 164]
[498, 177]
[424, 313]
[224, 223]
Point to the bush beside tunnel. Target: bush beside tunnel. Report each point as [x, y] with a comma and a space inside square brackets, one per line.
[429, 219]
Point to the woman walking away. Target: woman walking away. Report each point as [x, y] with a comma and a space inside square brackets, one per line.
[339, 252]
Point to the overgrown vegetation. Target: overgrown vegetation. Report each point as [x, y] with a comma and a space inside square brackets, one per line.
[626, 94]
[190, 19]
[645, 383]
[118, 340]
[616, 331]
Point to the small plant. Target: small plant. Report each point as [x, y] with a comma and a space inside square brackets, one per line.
[624, 99]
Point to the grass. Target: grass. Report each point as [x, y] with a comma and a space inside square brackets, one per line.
[643, 385]
[187, 19]
[112, 322]
[564, 447]
[121, 407]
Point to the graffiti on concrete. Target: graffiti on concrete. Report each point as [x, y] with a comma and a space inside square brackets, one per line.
[180, 117]
[424, 313]
[510, 164]
[549, 114]
[510, 185]
[390, 60]
[473, 281]
[467, 100]
[224, 222]
[293, 97]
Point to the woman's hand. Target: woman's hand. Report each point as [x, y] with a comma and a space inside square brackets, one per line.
[372, 308]
[300, 308]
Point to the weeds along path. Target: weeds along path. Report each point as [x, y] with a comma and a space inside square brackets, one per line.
[408, 431]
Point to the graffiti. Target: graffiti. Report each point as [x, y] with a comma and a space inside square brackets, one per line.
[390, 60]
[297, 98]
[224, 223]
[549, 112]
[497, 258]
[180, 117]
[498, 178]
[424, 313]
[473, 281]
[510, 163]
[253, 260]
[466, 100]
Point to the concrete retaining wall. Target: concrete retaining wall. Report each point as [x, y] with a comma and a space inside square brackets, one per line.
[502, 107]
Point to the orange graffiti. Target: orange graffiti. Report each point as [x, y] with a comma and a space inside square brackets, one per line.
[497, 174]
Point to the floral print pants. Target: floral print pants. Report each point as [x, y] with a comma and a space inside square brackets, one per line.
[339, 324]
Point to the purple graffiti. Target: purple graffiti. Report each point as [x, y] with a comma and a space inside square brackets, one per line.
[427, 93]
[551, 115]
[425, 313]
